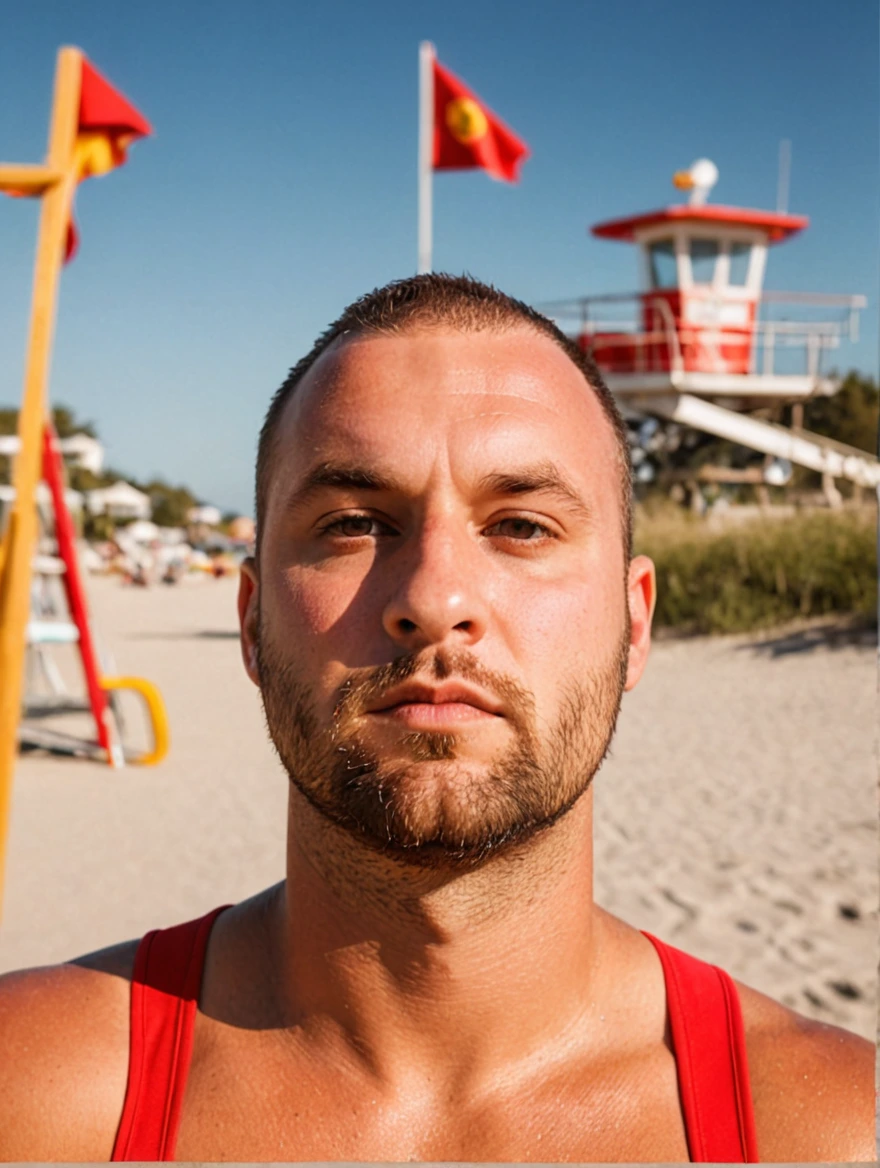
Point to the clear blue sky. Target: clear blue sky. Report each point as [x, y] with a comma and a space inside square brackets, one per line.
[281, 180]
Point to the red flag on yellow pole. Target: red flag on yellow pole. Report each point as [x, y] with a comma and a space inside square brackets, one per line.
[107, 126]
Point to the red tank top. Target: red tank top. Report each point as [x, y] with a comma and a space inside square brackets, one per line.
[702, 1003]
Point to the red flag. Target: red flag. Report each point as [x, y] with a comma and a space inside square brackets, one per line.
[108, 124]
[467, 134]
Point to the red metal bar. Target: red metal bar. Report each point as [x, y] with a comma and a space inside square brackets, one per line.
[73, 586]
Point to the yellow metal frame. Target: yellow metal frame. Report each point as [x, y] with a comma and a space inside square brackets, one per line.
[55, 182]
[155, 710]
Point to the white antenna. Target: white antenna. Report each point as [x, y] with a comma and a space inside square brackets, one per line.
[783, 180]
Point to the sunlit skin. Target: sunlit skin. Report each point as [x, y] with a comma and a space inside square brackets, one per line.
[536, 585]
[532, 583]
[463, 512]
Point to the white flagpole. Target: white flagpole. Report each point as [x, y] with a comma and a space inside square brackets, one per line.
[426, 153]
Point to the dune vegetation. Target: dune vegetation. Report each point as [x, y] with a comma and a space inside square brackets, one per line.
[762, 573]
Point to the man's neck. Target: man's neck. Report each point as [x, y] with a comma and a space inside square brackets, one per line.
[457, 971]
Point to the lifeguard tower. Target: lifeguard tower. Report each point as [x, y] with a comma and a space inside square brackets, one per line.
[702, 343]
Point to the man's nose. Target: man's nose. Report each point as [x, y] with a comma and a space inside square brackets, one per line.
[439, 592]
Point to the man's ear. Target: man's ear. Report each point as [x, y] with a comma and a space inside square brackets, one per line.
[249, 615]
[641, 598]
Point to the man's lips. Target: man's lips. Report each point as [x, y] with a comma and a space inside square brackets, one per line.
[434, 706]
[434, 715]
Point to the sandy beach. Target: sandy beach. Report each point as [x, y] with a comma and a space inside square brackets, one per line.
[736, 818]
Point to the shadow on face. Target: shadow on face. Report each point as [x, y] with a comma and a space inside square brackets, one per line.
[444, 507]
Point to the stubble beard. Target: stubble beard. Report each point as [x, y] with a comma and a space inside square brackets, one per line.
[429, 806]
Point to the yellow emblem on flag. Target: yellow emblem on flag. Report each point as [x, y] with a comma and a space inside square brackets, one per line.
[466, 120]
[97, 153]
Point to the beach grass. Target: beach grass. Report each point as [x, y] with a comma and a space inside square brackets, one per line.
[763, 573]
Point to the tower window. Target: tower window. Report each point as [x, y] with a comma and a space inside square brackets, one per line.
[739, 264]
[704, 255]
[664, 273]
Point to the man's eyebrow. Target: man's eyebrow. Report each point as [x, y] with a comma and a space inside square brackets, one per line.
[540, 478]
[341, 476]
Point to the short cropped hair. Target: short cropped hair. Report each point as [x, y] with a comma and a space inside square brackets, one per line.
[461, 304]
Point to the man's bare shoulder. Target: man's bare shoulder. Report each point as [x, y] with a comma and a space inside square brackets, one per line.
[64, 1036]
[812, 1085]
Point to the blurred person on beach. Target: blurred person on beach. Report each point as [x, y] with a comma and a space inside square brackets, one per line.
[442, 615]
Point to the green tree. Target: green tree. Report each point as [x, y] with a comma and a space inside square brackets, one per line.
[98, 527]
[82, 479]
[66, 422]
[849, 416]
[170, 504]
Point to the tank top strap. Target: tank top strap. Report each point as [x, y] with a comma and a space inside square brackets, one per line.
[166, 981]
[708, 1040]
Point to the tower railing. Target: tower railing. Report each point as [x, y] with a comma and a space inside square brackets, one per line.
[790, 334]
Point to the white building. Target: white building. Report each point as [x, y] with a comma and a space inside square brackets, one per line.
[205, 513]
[73, 499]
[81, 450]
[142, 531]
[121, 501]
[77, 450]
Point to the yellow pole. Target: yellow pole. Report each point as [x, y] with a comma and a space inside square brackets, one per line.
[24, 179]
[21, 535]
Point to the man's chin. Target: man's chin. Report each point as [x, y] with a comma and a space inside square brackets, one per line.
[441, 849]
[440, 814]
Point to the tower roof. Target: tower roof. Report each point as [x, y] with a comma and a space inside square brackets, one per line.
[777, 225]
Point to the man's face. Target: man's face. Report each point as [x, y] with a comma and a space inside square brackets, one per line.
[443, 621]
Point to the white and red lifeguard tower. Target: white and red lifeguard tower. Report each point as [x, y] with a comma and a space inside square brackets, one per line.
[702, 343]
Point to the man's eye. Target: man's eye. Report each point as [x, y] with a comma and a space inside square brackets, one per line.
[355, 527]
[526, 530]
